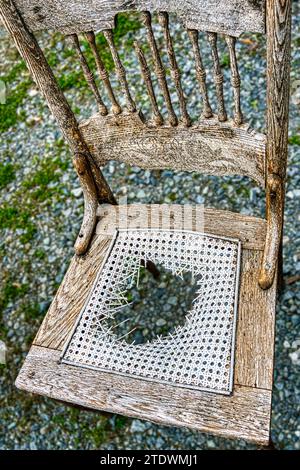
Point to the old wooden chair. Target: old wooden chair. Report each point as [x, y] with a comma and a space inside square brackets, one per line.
[74, 357]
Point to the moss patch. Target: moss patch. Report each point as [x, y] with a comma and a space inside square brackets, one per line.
[294, 140]
[74, 77]
[17, 86]
[42, 183]
[11, 291]
[7, 174]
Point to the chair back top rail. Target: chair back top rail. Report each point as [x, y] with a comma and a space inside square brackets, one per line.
[231, 17]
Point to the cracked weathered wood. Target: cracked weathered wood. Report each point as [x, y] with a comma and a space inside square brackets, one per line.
[244, 415]
[254, 339]
[90, 36]
[207, 146]
[157, 118]
[163, 19]
[120, 70]
[159, 68]
[218, 76]
[90, 203]
[278, 90]
[227, 16]
[93, 183]
[200, 73]
[235, 80]
[88, 75]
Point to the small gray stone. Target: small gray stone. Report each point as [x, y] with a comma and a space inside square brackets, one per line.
[77, 192]
[137, 426]
[161, 322]
[172, 300]
[141, 194]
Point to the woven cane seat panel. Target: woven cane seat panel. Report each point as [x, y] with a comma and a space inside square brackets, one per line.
[200, 353]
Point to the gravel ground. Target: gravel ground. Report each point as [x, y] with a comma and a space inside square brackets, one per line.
[41, 209]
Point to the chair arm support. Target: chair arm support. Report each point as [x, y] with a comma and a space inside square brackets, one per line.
[86, 179]
[274, 216]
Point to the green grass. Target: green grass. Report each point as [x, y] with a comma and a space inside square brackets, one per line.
[225, 60]
[17, 87]
[74, 78]
[294, 140]
[49, 171]
[12, 217]
[11, 291]
[31, 311]
[7, 174]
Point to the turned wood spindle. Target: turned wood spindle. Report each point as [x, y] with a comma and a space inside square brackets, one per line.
[88, 74]
[158, 67]
[200, 72]
[120, 70]
[90, 36]
[235, 79]
[157, 117]
[163, 19]
[218, 76]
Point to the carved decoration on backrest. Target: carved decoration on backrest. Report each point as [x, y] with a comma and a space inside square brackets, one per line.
[159, 68]
[116, 108]
[157, 118]
[163, 19]
[200, 72]
[160, 74]
[208, 146]
[120, 70]
[73, 39]
[126, 134]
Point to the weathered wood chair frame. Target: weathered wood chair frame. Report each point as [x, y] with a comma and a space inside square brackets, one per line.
[245, 414]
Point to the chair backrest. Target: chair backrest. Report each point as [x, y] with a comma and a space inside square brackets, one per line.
[214, 143]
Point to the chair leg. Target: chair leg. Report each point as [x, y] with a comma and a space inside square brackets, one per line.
[151, 268]
[270, 446]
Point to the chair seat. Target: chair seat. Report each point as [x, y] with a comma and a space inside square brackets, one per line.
[234, 399]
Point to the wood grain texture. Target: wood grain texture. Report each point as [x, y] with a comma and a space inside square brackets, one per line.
[227, 16]
[120, 70]
[90, 203]
[71, 295]
[250, 230]
[82, 271]
[278, 90]
[88, 75]
[207, 146]
[244, 415]
[278, 79]
[256, 327]
[200, 72]
[235, 80]
[90, 36]
[163, 19]
[218, 76]
[156, 117]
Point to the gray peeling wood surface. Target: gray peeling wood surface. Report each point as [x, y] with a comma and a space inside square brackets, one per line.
[208, 146]
[244, 415]
[233, 16]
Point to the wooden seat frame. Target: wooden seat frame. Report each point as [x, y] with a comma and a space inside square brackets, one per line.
[214, 145]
